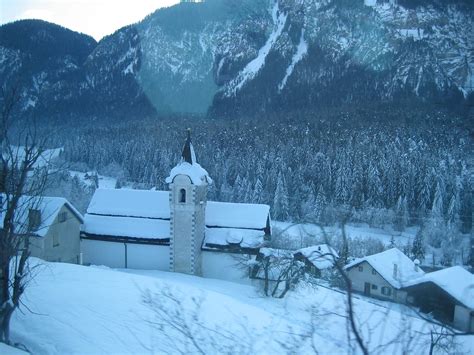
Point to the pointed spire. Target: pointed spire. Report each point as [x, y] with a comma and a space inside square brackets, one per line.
[188, 154]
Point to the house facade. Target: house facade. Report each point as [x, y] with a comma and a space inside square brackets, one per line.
[447, 294]
[383, 275]
[176, 230]
[52, 226]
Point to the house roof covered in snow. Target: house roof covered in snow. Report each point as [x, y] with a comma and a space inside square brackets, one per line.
[48, 207]
[321, 256]
[456, 281]
[146, 213]
[394, 266]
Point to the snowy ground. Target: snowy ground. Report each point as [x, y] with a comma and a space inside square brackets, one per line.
[362, 231]
[9, 350]
[76, 309]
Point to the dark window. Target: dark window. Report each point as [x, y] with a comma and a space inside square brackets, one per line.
[387, 291]
[34, 219]
[182, 196]
[56, 240]
[361, 268]
[374, 287]
[62, 217]
[374, 272]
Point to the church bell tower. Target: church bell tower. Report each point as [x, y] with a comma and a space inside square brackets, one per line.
[188, 183]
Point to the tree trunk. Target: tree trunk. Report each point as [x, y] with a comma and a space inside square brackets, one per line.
[5, 317]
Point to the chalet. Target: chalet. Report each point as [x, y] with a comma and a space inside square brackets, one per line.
[446, 294]
[317, 258]
[52, 225]
[176, 230]
[383, 275]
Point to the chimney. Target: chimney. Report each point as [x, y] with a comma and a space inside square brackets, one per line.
[395, 271]
[417, 264]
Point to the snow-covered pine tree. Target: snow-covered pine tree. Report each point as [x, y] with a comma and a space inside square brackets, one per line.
[392, 242]
[418, 248]
[280, 200]
[320, 205]
[436, 215]
[257, 191]
[401, 214]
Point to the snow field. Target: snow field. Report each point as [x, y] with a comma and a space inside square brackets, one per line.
[81, 309]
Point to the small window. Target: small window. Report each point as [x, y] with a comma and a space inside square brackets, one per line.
[387, 291]
[182, 196]
[55, 239]
[361, 268]
[374, 287]
[374, 272]
[62, 217]
[34, 219]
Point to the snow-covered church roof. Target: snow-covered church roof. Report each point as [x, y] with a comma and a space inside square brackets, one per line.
[394, 266]
[130, 203]
[145, 214]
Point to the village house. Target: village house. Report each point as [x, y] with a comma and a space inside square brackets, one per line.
[447, 294]
[317, 258]
[52, 225]
[383, 275]
[176, 230]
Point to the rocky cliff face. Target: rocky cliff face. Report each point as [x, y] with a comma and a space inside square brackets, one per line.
[229, 57]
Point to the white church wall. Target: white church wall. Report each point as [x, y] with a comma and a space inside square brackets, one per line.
[97, 252]
[148, 257]
[225, 266]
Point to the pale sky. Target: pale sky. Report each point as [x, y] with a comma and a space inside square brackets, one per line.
[93, 17]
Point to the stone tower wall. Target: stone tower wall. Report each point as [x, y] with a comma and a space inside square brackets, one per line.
[187, 225]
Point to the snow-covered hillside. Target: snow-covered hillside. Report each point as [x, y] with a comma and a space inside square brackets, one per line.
[76, 309]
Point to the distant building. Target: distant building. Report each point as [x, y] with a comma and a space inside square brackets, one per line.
[176, 230]
[52, 225]
[447, 294]
[317, 258]
[383, 275]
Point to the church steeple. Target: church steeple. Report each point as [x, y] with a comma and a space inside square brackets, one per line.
[188, 154]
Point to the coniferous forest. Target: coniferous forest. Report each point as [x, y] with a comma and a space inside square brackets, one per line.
[399, 165]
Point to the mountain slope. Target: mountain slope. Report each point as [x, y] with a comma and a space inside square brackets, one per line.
[228, 57]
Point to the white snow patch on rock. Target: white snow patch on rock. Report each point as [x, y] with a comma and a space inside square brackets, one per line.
[252, 68]
[301, 51]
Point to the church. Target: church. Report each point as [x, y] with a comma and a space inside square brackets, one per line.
[176, 230]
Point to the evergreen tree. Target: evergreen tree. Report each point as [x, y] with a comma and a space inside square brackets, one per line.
[308, 210]
[401, 214]
[280, 201]
[257, 191]
[418, 248]
[436, 215]
[320, 205]
[392, 242]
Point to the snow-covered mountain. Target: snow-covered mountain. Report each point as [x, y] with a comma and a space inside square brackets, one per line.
[231, 57]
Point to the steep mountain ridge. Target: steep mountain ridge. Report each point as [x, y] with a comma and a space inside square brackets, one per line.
[228, 57]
